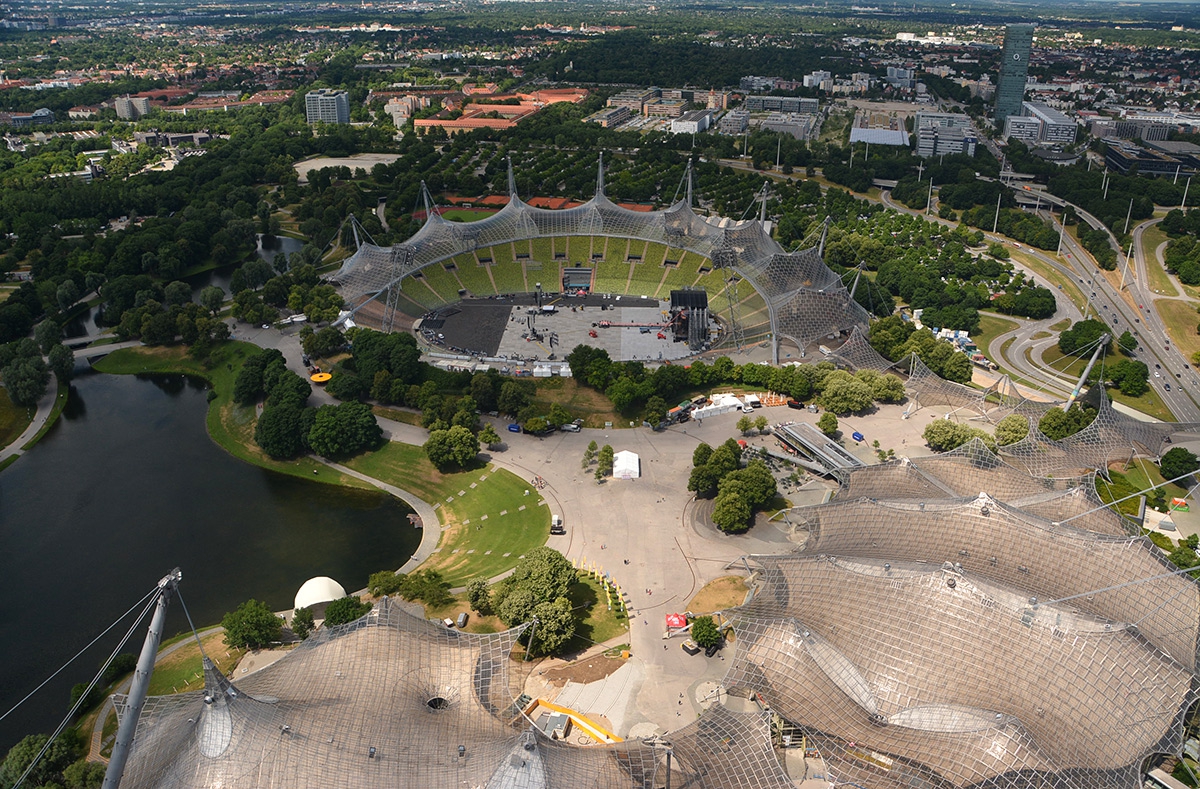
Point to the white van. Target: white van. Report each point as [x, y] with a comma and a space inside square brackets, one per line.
[556, 525]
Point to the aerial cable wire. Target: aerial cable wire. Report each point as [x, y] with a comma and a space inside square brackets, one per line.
[195, 634]
[153, 593]
[83, 696]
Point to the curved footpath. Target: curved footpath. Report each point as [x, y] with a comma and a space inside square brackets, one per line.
[45, 407]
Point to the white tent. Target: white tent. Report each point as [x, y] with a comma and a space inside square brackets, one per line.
[627, 465]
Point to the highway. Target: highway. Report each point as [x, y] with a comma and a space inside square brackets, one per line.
[1133, 313]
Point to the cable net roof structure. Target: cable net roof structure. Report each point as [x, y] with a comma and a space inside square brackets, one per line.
[907, 673]
[387, 700]
[951, 621]
[805, 299]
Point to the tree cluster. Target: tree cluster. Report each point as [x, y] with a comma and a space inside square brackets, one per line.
[24, 372]
[1057, 424]
[895, 339]
[252, 625]
[425, 585]
[346, 609]
[1083, 335]
[539, 587]
[942, 435]
[1178, 461]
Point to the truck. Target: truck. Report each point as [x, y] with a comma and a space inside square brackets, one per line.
[753, 401]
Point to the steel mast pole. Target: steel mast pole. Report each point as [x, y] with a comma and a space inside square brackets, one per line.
[141, 683]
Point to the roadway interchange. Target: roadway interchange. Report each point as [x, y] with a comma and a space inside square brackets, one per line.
[1104, 303]
[1136, 315]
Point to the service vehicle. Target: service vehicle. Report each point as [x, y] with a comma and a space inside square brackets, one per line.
[690, 647]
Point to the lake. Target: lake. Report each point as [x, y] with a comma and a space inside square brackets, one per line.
[127, 486]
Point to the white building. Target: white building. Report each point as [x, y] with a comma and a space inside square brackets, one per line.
[692, 122]
[1057, 129]
[327, 106]
[131, 108]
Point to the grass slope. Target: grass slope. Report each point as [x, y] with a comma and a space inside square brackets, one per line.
[471, 545]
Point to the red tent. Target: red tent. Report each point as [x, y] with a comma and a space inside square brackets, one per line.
[676, 620]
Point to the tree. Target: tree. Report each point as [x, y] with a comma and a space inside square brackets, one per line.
[340, 430]
[1127, 342]
[656, 408]
[251, 626]
[454, 447]
[346, 609]
[943, 435]
[302, 622]
[47, 334]
[745, 425]
[604, 460]
[845, 394]
[543, 576]
[704, 632]
[760, 423]
[558, 416]
[212, 298]
[555, 627]
[280, 431]
[1177, 462]
[731, 512]
[62, 363]
[84, 775]
[1011, 429]
[828, 424]
[1057, 424]
[26, 379]
[58, 757]
[488, 436]
[701, 454]
[479, 596]
[67, 294]
[535, 426]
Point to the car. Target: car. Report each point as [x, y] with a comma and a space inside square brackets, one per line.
[1158, 367]
[556, 525]
[448, 622]
[266, 325]
[1167, 387]
[1157, 374]
[690, 647]
[795, 404]
[570, 428]
[514, 428]
[462, 620]
[1135, 320]
[714, 649]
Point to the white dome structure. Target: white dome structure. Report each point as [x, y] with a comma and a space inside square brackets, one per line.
[318, 590]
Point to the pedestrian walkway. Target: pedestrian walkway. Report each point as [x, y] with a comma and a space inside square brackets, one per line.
[45, 407]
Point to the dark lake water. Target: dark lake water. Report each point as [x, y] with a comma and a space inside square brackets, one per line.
[128, 485]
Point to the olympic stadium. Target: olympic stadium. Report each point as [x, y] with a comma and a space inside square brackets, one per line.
[973, 619]
[755, 289]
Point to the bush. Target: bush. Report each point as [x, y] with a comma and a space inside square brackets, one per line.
[705, 632]
[302, 622]
[347, 609]
[251, 626]
[828, 424]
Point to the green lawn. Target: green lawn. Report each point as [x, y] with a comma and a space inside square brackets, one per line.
[1160, 281]
[13, 418]
[1180, 318]
[1060, 283]
[467, 214]
[597, 623]
[1149, 403]
[182, 670]
[990, 327]
[496, 542]
[229, 424]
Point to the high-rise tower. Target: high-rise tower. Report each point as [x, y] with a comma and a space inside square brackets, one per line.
[1014, 68]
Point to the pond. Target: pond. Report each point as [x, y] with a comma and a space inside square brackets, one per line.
[127, 486]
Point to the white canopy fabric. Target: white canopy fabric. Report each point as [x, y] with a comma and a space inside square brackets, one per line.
[627, 465]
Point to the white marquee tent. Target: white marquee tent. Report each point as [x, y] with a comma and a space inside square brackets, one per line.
[627, 465]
